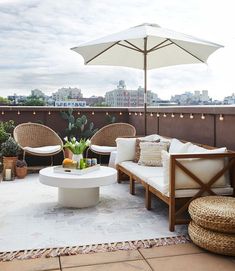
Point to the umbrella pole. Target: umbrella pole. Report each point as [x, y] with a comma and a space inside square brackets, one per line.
[145, 86]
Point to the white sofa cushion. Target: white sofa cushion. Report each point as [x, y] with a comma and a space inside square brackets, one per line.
[102, 149]
[125, 149]
[43, 150]
[159, 184]
[205, 169]
[142, 172]
[178, 147]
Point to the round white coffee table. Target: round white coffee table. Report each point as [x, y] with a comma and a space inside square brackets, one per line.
[78, 191]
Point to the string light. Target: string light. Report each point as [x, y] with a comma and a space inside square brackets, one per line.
[34, 113]
[221, 117]
[120, 113]
[140, 114]
[151, 114]
[129, 113]
[107, 113]
[158, 115]
[18, 113]
[191, 116]
[78, 112]
[203, 117]
[3, 113]
[136, 114]
[181, 116]
[164, 115]
[172, 115]
[93, 113]
[49, 113]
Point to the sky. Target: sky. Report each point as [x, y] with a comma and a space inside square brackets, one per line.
[36, 37]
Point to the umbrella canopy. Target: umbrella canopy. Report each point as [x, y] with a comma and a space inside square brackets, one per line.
[147, 46]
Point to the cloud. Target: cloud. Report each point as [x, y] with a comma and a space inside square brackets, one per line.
[36, 37]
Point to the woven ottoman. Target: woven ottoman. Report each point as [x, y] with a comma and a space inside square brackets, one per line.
[213, 224]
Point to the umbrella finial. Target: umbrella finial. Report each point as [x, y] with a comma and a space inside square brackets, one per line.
[148, 24]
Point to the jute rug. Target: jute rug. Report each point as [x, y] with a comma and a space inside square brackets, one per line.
[34, 225]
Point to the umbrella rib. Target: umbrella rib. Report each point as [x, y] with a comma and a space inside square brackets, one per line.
[188, 52]
[156, 46]
[101, 52]
[128, 47]
[160, 47]
[133, 45]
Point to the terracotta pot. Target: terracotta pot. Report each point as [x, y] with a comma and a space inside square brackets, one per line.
[21, 172]
[68, 153]
[10, 158]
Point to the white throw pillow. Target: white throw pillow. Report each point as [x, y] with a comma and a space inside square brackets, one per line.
[150, 153]
[178, 147]
[204, 169]
[125, 149]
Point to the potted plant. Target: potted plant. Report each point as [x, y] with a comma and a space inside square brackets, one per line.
[10, 151]
[21, 169]
[76, 147]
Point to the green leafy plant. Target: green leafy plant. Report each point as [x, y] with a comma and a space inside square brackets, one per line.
[6, 129]
[3, 135]
[80, 127]
[34, 101]
[8, 126]
[76, 147]
[10, 148]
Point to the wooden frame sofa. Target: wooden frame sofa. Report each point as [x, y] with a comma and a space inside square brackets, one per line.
[174, 195]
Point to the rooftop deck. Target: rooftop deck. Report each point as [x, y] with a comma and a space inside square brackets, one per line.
[206, 125]
[180, 257]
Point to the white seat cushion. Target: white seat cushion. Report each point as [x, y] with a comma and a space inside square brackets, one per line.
[44, 150]
[143, 172]
[158, 184]
[102, 149]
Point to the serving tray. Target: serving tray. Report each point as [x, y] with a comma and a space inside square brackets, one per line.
[74, 171]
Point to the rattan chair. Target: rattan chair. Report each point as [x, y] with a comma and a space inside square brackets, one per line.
[103, 141]
[37, 139]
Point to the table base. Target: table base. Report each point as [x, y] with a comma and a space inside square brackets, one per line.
[78, 198]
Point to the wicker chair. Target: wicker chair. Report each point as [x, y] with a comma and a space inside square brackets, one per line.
[37, 139]
[103, 142]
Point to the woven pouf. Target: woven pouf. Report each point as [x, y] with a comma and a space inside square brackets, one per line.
[214, 212]
[216, 242]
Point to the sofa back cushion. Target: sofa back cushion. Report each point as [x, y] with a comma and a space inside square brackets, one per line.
[125, 149]
[178, 147]
[204, 169]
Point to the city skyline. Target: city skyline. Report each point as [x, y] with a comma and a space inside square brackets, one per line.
[72, 94]
[36, 37]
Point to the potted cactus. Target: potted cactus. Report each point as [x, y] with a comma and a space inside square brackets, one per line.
[21, 169]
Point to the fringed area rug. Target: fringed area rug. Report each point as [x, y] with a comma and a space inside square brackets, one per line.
[31, 221]
[88, 249]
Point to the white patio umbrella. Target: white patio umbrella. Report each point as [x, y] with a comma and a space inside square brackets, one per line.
[146, 47]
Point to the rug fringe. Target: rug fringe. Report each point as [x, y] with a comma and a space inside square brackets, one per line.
[93, 248]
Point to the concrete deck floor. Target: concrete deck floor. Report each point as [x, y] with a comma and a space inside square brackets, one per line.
[182, 257]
